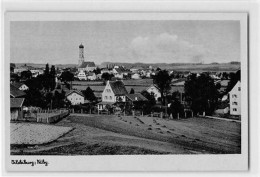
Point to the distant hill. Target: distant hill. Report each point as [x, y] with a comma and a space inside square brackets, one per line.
[38, 65]
[196, 67]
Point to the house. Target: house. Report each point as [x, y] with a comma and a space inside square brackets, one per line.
[137, 97]
[235, 99]
[15, 92]
[20, 86]
[120, 72]
[135, 76]
[106, 70]
[136, 69]
[113, 92]
[16, 106]
[91, 76]
[223, 107]
[20, 69]
[87, 66]
[36, 72]
[153, 89]
[81, 75]
[75, 97]
[99, 76]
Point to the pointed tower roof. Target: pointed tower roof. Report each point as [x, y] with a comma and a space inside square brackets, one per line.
[81, 46]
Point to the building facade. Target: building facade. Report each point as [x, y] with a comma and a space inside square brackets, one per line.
[75, 97]
[113, 92]
[235, 99]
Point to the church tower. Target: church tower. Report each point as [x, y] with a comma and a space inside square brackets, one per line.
[81, 54]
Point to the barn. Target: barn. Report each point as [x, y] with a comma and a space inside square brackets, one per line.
[16, 105]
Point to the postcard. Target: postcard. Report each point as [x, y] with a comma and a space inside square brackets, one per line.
[126, 91]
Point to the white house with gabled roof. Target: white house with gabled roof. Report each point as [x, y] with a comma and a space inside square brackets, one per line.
[75, 97]
[113, 92]
[235, 99]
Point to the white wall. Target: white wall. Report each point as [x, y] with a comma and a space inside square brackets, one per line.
[75, 99]
[235, 99]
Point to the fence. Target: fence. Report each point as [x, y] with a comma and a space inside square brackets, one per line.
[51, 116]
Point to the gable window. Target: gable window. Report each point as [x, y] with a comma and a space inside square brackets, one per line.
[234, 109]
[110, 97]
[234, 96]
[238, 88]
[234, 103]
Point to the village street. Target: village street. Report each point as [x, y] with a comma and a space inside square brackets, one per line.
[107, 135]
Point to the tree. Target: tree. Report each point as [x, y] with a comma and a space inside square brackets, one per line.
[47, 70]
[59, 100]
[26, 74]
[67, 76]
[52, 78]
[176, 108]
[234, 77]
[132, 91]
[89, 94]
[163, 80]
[12, 66]
[14, 77]
[107, 76]
[97, 71]
[202, 93]
[147, 106]
[34, 97]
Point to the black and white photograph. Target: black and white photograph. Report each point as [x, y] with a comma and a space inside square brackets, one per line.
[140, 85]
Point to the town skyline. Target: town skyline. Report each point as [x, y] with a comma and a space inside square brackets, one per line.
[125, 41]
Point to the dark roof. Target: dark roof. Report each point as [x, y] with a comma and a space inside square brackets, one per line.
[136, 97]
[16, 102]
[153, 85]
[118, 87]
[88, 63]
[81, 46]
[177, 88]
[74, 91]
[121, 70]
[15, 92]
[17, 84]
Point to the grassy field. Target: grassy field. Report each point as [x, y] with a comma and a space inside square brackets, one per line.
[107, 135]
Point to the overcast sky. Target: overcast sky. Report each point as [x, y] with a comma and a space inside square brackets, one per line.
[126, 41]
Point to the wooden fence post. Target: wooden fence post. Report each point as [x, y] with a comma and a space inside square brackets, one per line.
[161, 115]
[178, 116]
[47, 120]
[192, 114]
[185, 114]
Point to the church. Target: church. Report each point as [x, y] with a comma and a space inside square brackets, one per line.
[83, 65]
